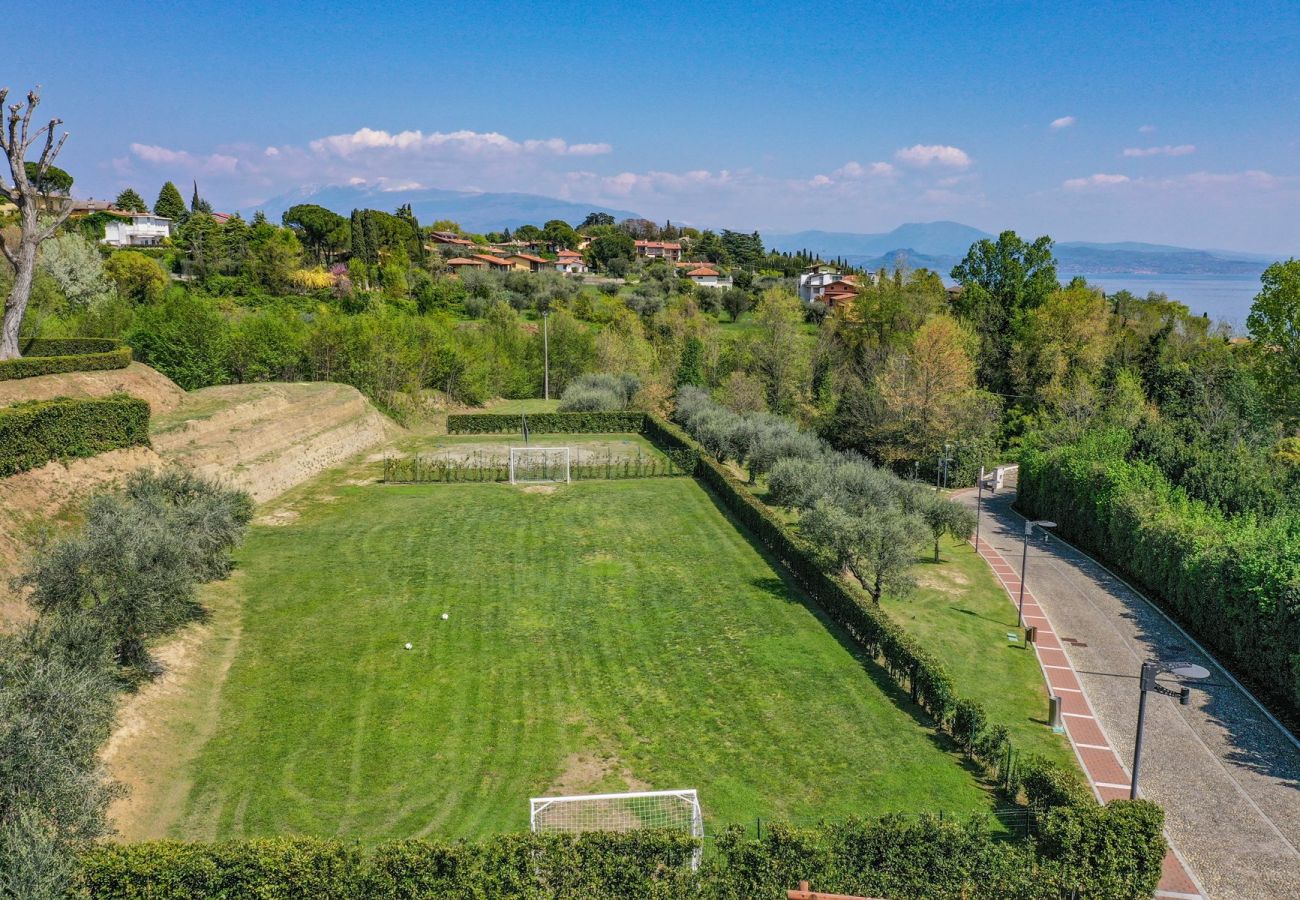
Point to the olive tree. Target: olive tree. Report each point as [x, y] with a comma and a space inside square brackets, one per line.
[23, 191]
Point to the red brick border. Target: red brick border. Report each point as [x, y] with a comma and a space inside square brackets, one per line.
[1106, 772]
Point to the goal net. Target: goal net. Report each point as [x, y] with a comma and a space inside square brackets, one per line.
[677, 810]
[538, 464]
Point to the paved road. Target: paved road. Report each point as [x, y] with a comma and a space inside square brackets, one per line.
[1227, 776]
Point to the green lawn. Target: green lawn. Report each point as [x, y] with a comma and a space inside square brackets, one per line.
[607, 635]
[961, 612]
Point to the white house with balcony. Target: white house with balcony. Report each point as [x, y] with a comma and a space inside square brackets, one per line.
[137, 230]
[816, 278]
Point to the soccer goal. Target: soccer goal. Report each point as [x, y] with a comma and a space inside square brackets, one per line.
[678, 810]
[538, 464]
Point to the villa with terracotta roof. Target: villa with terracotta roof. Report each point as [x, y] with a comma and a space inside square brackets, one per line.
[447, 239]
[669, 250]
[570, 262]
[462, 262]
[527, 262]
[839, 293]
[707, 276]
[497, 263]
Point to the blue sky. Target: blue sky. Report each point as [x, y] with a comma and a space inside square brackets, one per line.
[1165, 122]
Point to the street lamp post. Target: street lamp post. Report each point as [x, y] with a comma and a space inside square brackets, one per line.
[1024, 562]
[1151, 670]
[979, 508]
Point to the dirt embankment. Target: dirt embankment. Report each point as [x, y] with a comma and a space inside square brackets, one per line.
[267, 438]
[160, 392]
[263, 438]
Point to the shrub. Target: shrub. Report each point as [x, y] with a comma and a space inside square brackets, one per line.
[1231, 581]
[30, 366]
[1110, 853]
[32, 434]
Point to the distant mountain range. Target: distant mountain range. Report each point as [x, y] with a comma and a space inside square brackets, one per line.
[477, 212]
[931, 245]
[941, 245]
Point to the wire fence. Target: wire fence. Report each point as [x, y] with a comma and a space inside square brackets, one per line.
[483, 467]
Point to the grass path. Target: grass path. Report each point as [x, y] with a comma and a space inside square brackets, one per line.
[961, 612]
[609, 635]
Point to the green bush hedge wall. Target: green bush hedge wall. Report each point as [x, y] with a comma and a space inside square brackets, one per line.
[1233, 582]
[32, 434]
[56, 355]
[1111, 852]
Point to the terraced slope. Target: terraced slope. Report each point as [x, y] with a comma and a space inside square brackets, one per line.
[264, 438]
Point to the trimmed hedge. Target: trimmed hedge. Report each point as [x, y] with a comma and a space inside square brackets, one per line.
[1233, 582]
[1111, 852]
[32, 434]
[547, 423]
[671, 441]
[68, 346]
[56, 355]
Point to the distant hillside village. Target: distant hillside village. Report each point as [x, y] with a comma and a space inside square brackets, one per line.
[597, 249]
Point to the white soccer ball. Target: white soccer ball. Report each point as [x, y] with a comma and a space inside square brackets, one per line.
[445, 616]
[408, 646]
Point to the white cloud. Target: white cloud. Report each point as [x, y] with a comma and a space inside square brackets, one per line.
[165, 156]
[924, 155]
[1100, 180]
[465, 142]
[1063, 122]
[1166, 150]
[820, 181]
[1147, 129]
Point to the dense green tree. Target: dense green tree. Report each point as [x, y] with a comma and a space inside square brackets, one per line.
[611, 246]
[170, 204]
[1274, 324]
[596, 218]
[779, 351]
[560, 234]
[54, 181]
[322, 231]
[736, 301]
[1001, 281]
[130, 200]
[138, 278]
[742, 249]
[57, 703]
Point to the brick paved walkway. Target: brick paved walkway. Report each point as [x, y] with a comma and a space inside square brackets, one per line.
[1225, 771]
[1106, 772]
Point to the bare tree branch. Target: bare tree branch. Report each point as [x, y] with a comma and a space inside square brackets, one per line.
[33, 101]
[48, 157]
[14, 119]
[9, 255]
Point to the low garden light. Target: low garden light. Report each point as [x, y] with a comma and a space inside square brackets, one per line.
[1151, 671]
[1024, 562]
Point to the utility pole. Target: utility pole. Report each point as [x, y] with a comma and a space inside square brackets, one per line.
[979, 508]
[546, 356]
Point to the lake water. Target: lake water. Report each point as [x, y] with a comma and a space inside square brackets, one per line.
[1226, 298]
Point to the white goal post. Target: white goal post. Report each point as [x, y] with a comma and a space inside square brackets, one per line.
[539, 464]
[631, 811]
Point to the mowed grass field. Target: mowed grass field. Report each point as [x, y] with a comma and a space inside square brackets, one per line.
[603, 636]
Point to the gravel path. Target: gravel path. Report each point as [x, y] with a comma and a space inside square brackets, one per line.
[1226, 774]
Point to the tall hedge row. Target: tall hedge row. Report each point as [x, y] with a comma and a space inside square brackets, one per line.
[672, 442]
[547, 423]
[32, 434]
[56, 355]
[1102, 853]
[1234, 582]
